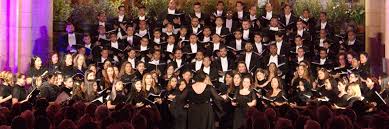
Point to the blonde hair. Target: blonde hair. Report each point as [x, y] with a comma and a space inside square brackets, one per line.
[354, 90]
[7, 77]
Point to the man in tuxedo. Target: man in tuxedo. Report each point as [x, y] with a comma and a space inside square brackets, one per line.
[238, 43]
[122, 19]
[224, 62]
[323, 61]
[131, 40]
[215, 45]
[288, 20]
[131, 57]
[250, 58]
[193, 45]
[267, 15]
[178, 59]
[247, 32]
[101, 21]
[219, 12]
[66, 41]
[273, 57]
[203, 18]
[240, 14]
[155, 63]
[259, 46]
[209, 69]
[219, 28]
[282, 45]
[324, 24]
[354, 44]
[195, 27]
[254, 18]
[169, 48]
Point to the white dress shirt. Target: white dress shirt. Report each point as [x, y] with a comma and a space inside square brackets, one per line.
[72, 39]
[246, 34]
[171, 11]
[279, 45]
[269, 15]
[273, 28]
[207, 70]
[224, 63]
[350, 42]
[323, 61]
[130, 40]
[132, 61]
[321, 42]
[193, 47]
[120, 19]
[157, 40]
[300, 32]
[299, 59]
[240, 14]
[195, 29]
[198, 64]
[247, 60]
[253, 17]
[115, 45]
[218, 30]
[273, 59]
[198, 15]
[142, 17]
[229, 24]
[219, 12]
[323, 25]
[206, 39]
[259, 47]
[143, 48]
[101, 23]
[238, 44]
[287, 18]
[170, 47]
[216, 46]
[178, 61]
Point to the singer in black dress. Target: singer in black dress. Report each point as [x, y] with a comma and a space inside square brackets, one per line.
[244, 98]
[199, 94]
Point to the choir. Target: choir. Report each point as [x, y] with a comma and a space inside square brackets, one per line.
[201, 67]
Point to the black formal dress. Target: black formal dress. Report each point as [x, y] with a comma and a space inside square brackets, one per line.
[241, 108]
[200, 112]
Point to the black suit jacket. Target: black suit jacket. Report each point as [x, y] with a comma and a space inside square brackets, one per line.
[292, 22]
[254, 61]
[63, 42]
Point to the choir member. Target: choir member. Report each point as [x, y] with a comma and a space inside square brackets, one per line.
[324, 24]
[6, 87]
[67, 65]
[288, 19]
[66, 41]
[140, 70]
[243, 99]
[109, 77]
[240, 14]
[149, 87]
[136, 97]
[219, 28]
[19, 94]
[250, 58]
[54, 64]
[178, 112]
[118, 95]
[79, 64]
[267, 15]
[276, 94]
[36, 68]
[127, 73]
